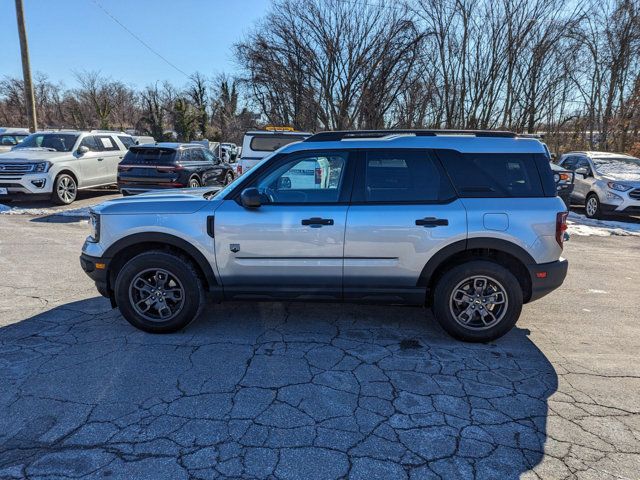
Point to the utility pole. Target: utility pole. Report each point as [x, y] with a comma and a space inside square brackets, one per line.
[26, 69]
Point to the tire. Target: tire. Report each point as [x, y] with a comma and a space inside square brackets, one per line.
[228, 178]
[592, 207]
[142, 276]
[65, 189]
[194, 182]
[451, 308]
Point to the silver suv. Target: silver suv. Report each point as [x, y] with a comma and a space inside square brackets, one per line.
[605, 183]
[466, 222]
[56, 164]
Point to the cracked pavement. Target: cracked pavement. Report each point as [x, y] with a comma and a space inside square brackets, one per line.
[275, 390]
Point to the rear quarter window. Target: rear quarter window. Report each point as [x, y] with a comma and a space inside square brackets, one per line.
[493, 175]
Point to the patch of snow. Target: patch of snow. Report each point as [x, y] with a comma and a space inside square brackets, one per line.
[587, 227]
[592, 290]
[75, 212]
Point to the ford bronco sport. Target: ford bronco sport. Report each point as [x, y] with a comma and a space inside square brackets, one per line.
[467, 222]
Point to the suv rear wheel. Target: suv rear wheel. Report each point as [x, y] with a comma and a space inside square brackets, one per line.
[65, 189]
[477, 301]
[194, 182]
[158, 292]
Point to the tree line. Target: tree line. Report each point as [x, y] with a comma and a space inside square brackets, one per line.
[567, 68]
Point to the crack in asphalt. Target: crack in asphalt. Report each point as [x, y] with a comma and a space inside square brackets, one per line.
[295, 391]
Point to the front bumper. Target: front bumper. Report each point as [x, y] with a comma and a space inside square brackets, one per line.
[546, 277]
[97, 269]
[29, 184]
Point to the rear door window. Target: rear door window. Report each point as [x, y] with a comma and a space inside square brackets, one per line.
[404, 176]
[197, 155]
[492, 175]
[107, 144]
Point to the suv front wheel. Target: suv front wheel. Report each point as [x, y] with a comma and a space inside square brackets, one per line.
[159, 292]
[477, 301]
[65, 189]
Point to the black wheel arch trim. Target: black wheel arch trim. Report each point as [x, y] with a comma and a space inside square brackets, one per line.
[166, 239]
[460, 246]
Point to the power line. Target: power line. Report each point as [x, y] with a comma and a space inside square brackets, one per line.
[139, 39]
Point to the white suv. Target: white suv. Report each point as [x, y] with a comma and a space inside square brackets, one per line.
[57, 164]
[258, 144]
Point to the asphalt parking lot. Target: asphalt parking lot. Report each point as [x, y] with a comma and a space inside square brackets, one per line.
[274, 390]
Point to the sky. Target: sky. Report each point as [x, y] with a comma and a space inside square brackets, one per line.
[67, 36]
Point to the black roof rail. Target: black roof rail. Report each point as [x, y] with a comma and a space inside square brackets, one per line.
[334, 136]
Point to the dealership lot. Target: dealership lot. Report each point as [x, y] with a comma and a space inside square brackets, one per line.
[312, 390]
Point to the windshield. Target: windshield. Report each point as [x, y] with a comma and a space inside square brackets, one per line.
[56, 142]
[619, 166]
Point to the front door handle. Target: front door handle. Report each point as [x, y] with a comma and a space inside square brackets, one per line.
[316, 222]
[100, 159]
[431, 222]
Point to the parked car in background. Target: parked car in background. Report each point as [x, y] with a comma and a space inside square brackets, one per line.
[466, 222]
[143, 139]
[232, 150]
[10, 137]
[564, 182]
[171, 165]
[259, 143]
[605, 183]
[57, 164]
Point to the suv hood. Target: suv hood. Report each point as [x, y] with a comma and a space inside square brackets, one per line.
[624, 176]
[32, 155]
[183, 201]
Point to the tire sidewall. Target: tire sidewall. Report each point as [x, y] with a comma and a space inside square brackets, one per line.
[175, 265]
[453, 277]
[597, 214]
[56, 197]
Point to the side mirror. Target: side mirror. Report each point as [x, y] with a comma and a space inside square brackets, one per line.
[584, 171]
[82, 150]
[250, 198]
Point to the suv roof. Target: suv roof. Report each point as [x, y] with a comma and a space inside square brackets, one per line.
[170, 145]
[356, 134]
[464, 141]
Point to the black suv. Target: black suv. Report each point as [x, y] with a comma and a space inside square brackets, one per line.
[171, 165]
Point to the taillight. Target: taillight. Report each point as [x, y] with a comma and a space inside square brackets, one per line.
[124, 168]
[561, 227]
[169, 169]
[318, 176]
[239, 170]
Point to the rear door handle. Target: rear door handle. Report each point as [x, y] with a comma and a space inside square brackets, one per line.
[100, 159]
[431, 222]
[316, 222]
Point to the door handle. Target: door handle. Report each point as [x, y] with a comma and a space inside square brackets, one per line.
[316, 222]
[100, 159]
[431, 222]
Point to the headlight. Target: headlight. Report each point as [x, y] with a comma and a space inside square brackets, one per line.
[618, 186]
[42, 167]
[94, 223]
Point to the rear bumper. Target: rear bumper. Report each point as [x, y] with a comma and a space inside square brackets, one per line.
[98, 275]
[546, 277]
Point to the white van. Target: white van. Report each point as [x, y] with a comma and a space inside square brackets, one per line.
[259, 143]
